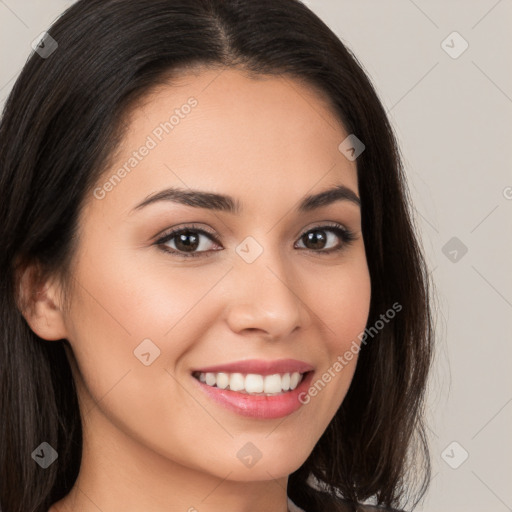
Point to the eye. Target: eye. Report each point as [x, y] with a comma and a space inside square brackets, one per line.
[316, 239]
[187, 241]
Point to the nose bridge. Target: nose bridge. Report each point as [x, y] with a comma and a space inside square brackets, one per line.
[266, 297]
[259, 260]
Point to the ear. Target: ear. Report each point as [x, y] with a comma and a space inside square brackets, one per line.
[39, 303]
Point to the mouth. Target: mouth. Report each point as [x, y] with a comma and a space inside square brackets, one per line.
[257, 388]
[252, 383]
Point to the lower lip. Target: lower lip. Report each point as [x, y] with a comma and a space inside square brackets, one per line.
[259, 406]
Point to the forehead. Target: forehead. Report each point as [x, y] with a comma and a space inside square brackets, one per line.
[221, 130]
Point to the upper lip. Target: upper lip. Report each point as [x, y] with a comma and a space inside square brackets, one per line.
[259, 366]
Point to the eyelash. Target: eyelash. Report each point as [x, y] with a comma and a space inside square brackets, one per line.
[345, 234]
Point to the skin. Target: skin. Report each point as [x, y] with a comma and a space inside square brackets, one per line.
[152, 439]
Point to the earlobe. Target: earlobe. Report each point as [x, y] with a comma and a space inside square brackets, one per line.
[38, 301]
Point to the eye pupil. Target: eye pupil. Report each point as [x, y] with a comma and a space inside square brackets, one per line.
[316, 236]
[182, 240]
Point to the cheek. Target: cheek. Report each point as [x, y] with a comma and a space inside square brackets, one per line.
[116, 307]
[127, 301]
[341, 303]
[339, 298]
[122, 310]
[122, 306]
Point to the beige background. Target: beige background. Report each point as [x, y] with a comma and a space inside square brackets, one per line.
[453, 119]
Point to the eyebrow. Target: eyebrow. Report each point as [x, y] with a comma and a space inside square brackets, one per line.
[224, 203]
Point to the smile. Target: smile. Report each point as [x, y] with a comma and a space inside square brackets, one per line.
[259, 389]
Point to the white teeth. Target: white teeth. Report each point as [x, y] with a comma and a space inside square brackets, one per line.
[211, 379]
[253, 383]
[294, 380]
[236, 382]
[222, 380]
[285, 382]
[272, 383]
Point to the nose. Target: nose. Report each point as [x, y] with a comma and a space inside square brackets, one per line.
[265, 297]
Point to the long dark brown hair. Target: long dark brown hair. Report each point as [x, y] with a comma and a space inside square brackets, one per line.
[62, 122]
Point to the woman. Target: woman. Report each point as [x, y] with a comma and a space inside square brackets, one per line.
[213, 294]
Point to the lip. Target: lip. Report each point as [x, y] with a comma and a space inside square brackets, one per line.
[259, 366]
[258, 406]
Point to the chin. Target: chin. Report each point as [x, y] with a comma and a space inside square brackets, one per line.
[262, 470]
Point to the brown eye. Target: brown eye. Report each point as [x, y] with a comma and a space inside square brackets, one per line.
[319, 240]
[192, 242]
[188, 242]
[315, 239]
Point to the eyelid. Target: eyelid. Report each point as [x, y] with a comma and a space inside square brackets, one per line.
[192, 227]
[201, 229]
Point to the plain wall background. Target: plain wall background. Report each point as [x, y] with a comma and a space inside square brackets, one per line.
[453, 120]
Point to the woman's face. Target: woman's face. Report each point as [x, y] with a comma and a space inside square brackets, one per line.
[259, 287]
